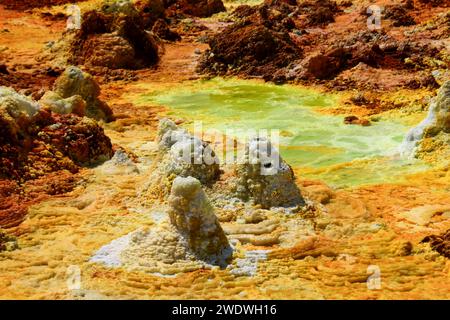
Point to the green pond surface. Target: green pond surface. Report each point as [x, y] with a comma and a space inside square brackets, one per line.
[320, 146]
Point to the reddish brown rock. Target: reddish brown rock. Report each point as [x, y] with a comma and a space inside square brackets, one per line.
[40, 153]
[356, 120]
[250, 49]
[162, 30]
[320, 12]
[35, 142]
[114, 41]
[440, 243]
[12, 210]
[317, 66]
[399, 15]
[80, 139]
[31, 4]
[150, 11]
[435, 3]
[196, 8]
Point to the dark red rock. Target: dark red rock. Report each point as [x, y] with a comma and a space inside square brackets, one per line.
[250, 49]
[399, 15]
[440, 243]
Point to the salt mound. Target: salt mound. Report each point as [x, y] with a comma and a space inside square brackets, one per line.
[119, 164]
[266, 178]
[185, 155]
[193, 216]
[190, 238]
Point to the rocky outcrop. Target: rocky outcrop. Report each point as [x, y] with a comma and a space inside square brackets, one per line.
[250, 49]
[77, 92]
[162, 30]
[112, 37]
[44, 145]
[196, 8]
[319, 12]
[399, 16]
[363, 49]
[440, 243]
[257, 45]
[80, 139]
[35, 141]
[279, 41]
[433, 3]
[265, 178]
[150, 11]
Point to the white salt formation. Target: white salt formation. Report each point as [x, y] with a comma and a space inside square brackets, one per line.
[437, 120]
[185, 155]
[193, 216]
[188, 238]
[248, 266]
[74, 104]
[119, 164]
[266, 178]
[15, 104]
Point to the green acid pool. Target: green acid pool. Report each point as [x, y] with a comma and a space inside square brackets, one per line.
[319, 146]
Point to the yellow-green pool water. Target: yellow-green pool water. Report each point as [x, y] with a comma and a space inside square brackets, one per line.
[320, 146]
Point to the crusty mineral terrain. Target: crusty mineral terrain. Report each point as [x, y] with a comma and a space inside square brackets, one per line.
[96, 177]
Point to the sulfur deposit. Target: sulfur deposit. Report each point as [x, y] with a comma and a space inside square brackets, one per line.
[7, 242]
